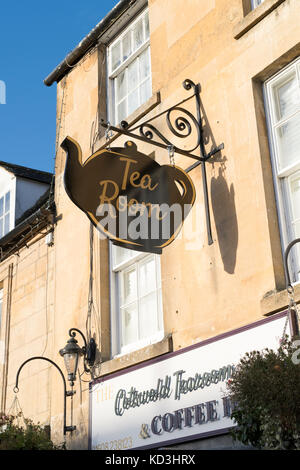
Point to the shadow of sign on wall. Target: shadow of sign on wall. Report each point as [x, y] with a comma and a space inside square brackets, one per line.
[224, 210]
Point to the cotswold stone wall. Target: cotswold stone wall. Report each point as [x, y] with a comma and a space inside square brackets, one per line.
[207, 289]
[28, 305]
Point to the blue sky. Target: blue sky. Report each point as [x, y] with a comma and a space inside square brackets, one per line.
[35, 37]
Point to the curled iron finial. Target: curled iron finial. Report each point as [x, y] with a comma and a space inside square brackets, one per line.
[124, 124]
[72, 333]
[188, 84]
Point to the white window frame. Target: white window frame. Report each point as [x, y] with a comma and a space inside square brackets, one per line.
[124, 65]
[116, 320]
[256, 3]
[281, 178]
[1, 306]
[10, 187]
[2, 343]
[5, 213]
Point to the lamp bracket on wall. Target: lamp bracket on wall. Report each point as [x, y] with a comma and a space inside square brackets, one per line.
[184, 125]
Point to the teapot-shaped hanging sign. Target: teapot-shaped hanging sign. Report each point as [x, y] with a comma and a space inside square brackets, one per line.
[128, 196]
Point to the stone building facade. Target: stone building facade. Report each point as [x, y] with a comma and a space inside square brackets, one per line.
[246, 57]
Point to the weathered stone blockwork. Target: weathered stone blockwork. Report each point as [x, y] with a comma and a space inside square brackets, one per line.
[207, 289]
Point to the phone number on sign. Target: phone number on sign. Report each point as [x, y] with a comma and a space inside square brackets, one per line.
[120, 444]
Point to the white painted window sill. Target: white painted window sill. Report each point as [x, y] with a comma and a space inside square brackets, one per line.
[140, 344]
[135, 357]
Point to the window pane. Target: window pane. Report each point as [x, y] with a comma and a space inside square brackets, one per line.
[1, 206]
[133, 75]
[297, 235]
[126, 45]
[7, 201]
[288, 98]
[115, 56]
[121, 88]
[144, 64]
[6, 224]
[122, 254]
[288, 135]
[145, 91]
[129, 293]
[138, 35]
[133, 101]
[147, 277]
[256, 3]
[148, 316]
[121, 111]
[295, 195]
[1, 304]
[147, 29]
[129, 324]
[160, 309]
[1, 227]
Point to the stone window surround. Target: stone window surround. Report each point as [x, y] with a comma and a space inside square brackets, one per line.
[252, 17]
[277, 299]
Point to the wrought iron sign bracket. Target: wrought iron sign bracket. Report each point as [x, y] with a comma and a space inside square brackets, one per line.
[184, 125]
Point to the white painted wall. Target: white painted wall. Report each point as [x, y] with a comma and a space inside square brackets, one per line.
[24, 193]
[27, 194]
[8, 183]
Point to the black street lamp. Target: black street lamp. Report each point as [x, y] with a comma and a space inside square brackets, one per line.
[71, 353]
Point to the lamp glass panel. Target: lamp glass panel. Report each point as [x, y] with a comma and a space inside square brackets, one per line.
[71, 360]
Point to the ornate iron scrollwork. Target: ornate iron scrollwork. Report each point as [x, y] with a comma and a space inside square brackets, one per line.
[181, 126]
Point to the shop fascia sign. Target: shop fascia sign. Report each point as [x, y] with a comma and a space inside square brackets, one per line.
[175, 398]
[131, 198]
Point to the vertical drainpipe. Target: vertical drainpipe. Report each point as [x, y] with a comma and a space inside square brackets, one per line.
[7, 337]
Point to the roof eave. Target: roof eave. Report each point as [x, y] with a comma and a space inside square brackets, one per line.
[88, 42]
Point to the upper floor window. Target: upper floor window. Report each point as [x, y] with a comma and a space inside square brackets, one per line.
[5, 215]
[282, 94]
[256, 3]
[137, 298]
[1, 305]
[129, 66]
